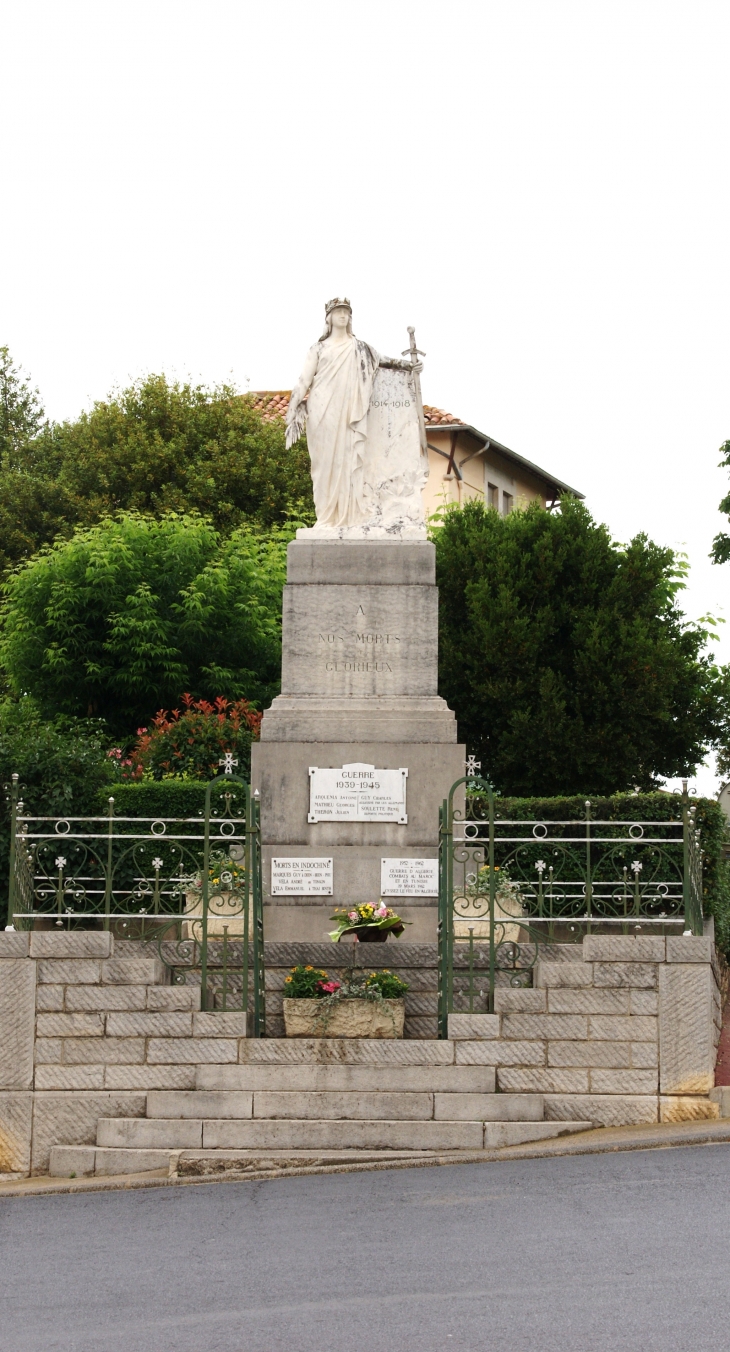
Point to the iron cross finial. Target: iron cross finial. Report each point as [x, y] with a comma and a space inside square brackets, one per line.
[227, 761]
[472, 765]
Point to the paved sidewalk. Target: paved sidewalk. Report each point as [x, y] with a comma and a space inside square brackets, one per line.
[604, 1140]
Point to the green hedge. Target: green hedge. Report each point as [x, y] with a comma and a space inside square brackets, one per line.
[713, 824]
[158, 798]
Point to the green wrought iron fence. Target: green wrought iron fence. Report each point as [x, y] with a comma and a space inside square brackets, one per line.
[508, 888]
[190, 887]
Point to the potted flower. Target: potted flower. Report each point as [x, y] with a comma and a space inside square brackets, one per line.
[367, 923]
[227, 892]
[371, 1005]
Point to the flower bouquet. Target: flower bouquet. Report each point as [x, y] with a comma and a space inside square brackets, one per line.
[368, 923]
[371, 1006]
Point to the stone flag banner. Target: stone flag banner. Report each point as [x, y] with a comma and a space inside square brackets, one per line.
[301, 877]
[357, 793]
[409, 877]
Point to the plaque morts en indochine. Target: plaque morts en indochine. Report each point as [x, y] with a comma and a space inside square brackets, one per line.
[358, 750]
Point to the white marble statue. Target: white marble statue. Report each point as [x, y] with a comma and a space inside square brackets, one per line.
[365, 435]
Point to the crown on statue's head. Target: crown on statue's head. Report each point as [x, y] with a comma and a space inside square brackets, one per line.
[333, 305]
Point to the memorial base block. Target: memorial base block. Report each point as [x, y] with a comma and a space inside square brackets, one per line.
[359, 688]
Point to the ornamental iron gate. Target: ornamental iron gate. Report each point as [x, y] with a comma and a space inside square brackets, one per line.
[189, 887]
[509, 888]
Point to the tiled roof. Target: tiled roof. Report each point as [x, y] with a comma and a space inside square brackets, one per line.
[272, 404]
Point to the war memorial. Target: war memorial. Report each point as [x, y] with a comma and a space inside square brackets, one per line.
[145, 1026]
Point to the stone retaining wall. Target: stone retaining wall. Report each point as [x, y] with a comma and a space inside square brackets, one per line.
[627, 1034]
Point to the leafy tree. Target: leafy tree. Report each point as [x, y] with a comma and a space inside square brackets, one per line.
[114, 622]
[721, 544]
[163, 446]
[189, 744]
[565, 656]
[21, 411]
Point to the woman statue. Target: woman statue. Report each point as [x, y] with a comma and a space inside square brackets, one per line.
[332, 398]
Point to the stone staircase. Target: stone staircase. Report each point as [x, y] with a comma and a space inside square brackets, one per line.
[316, 1101]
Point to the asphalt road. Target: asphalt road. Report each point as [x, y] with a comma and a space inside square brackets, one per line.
[566, 1255]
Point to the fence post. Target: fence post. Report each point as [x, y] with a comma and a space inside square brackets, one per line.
[109, 867]
[15, 780]
[492, 894]
[686, 856]
[206, 886]
[589, 876]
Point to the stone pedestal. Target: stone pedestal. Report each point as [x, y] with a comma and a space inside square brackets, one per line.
[359, 684]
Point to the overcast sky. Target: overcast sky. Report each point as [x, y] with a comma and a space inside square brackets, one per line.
[541, 188]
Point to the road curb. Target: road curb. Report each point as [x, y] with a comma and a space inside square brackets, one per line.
[601, 1141]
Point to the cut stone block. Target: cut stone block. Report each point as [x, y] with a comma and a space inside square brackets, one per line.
[69, 1077]
[370, 1134]
[356, 1051]
[14, 945]
[643, 1002]
[603, 1110]
[70, 1025]
[624, 974]
[348, 1019]
[473, 1026]
[571, 975]
[686, 1029]
[689, 948]
[633, 1028]
[687, 1108]
[220, 1025]
[529, 1026]
[133, 971]
[48, 999]
[149, 1133]
[623, 948]
[125, 1051]
[588, 1001]
[16, 1114]
[497, 1134]
[488, 1108]
[615, 1055]
[71, 1118]
[69, 971]
[81, 944]
[200, 1104]
[17, 1022]
[539, 1080]
[149, 1077]
[164, 998]
[72, 1161]
[130, 1161]
[721, 1096]
[624, 1081]
[346, 1105]
[192, 1050]
[644, 1054]
[451, 1079]
[149, 1025]
[499, 1053]
[48, 1051]
[106, 997]
[507, 1001]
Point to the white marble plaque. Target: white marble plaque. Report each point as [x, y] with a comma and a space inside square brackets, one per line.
[409, 877]
[357, 793]
[301, 877]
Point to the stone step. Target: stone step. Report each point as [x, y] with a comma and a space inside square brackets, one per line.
[447, 1079]
[347, 1051]
[85, 1161]
[345, 1105]
[302, 1134]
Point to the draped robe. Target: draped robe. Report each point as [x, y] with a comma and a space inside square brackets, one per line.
[337, 415]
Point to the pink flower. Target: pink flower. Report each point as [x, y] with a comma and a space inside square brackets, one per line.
[382, 912]
[352, 915]
[329, 986]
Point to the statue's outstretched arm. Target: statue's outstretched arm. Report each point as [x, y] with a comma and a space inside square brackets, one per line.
[296, 414]
[401, 364]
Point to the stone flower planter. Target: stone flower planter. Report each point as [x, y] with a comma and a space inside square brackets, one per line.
[344, 1018]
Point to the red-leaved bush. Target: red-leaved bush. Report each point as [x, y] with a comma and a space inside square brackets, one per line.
[190, 743]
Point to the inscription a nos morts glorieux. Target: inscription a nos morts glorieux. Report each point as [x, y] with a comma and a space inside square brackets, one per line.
[359, 650]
